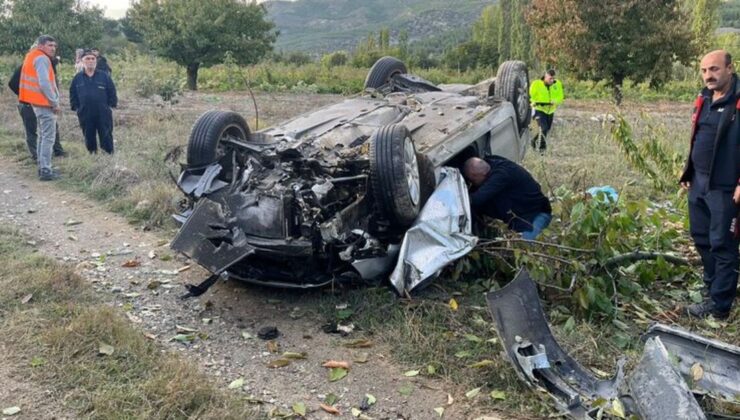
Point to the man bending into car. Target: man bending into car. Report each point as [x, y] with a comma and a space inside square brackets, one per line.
[504, 190]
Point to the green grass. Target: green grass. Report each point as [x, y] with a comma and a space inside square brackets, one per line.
[55, 340]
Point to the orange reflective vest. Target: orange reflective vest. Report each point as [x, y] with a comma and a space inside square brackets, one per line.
[29, 89]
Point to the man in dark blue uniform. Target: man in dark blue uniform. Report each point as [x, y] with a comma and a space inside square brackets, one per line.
[712, 177]
[92, 94]
[506, 191]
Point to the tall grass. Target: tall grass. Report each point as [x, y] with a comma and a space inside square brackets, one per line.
[54, 340]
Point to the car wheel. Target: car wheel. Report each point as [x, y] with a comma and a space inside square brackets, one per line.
[206, 144]
[512, 84]
[395, 176]
[382, 71]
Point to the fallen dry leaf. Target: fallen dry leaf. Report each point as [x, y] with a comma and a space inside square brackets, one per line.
[329, 409]
[359, 343]
[294, 355]
[697, 372]
[453, 304]
[131, 263]
[273, 346]
[27, 298]
[337, 364]
[150, 336]
[184, 330]
[278, 363]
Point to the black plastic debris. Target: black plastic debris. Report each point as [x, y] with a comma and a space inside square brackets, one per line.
[268, 333]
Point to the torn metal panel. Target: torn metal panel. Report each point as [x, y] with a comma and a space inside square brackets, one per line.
[658, 390]
[720, 362]
[200, 185]
[441, 233]
[211, 238]
[537, 357]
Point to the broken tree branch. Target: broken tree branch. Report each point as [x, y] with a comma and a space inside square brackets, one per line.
[484, 242]
[641, 256]
[491, 250]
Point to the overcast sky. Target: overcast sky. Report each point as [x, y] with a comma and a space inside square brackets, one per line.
[116, 9]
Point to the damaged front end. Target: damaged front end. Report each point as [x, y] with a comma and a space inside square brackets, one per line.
[287, 206]
[656, 389]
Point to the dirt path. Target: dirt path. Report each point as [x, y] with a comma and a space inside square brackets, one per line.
[74, 230]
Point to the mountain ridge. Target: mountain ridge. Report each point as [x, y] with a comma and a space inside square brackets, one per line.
[320, 26]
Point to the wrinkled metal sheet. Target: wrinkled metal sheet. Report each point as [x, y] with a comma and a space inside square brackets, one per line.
[537, 357]
[658, 390]
[212, 238]
[720, 362]
[441, 233]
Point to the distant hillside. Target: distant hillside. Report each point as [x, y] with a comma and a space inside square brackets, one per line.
[317, 26]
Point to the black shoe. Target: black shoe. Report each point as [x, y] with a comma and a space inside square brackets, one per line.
[48, 175]
[704, 309]
[533, 142]
[60, 154]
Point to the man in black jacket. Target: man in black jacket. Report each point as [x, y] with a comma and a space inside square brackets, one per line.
[92, 94]
[712, 177]
[506, 191]
[29, 118]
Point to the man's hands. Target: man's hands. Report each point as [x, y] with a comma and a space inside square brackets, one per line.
[57, 110]
[736, 195]
[687, 185]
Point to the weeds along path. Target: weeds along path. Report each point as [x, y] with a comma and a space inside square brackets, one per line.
[136, 271]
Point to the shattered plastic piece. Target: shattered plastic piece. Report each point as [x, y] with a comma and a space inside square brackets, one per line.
[658, 390]
[720, 361]
[653, 391]
[609, 193]
[537, 357]
[268, 333]
[441, 233]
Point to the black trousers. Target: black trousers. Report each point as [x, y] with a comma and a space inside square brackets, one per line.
[710, 216]
[545, 123]
[31, 126]
[97, 124]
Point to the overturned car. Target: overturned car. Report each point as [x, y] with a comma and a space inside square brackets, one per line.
[328, 195]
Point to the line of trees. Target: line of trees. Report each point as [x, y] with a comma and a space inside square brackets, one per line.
[610, 40]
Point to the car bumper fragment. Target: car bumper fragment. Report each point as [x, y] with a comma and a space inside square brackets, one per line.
[654, 390]
[719, 362]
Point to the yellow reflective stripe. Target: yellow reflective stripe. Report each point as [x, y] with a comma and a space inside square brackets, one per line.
[30, 87]
[29, 78]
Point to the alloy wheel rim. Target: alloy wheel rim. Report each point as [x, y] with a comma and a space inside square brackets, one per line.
[411, 168]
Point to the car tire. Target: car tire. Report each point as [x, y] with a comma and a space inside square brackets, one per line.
[395, 176]
[382, 71]
[205, 145]
[512, 84]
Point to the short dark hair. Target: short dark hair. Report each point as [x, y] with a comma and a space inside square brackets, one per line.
[551, 72]
[88, 51]
[45, 39]
[728, 59]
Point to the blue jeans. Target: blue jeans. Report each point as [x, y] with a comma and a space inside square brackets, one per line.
[540, 222]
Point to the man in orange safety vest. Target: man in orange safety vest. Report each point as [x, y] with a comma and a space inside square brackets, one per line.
[38, 87]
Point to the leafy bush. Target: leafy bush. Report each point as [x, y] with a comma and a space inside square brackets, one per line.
[595, 255]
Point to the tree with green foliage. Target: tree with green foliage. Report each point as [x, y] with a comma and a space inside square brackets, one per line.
[614, 39]
[486, 35]
[196, 33]
[73, 23]
[704, 22]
